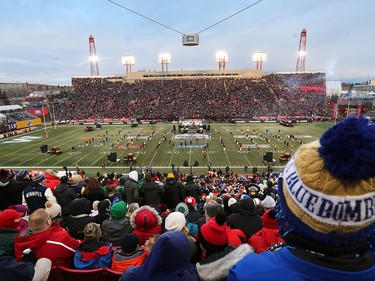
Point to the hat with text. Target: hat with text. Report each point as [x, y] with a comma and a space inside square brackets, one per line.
[327, 189]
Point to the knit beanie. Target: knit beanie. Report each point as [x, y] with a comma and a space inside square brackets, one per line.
[92, 232]
[327, 189]
[21, 174]
[182, 208]
[129, 243]
[118, 210]
[104, 206]
[213, 235]
[190, 200]
[175, 221]
[8, 217]
[38, 178]
[268, 202]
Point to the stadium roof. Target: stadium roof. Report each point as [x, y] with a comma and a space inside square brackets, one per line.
[9, 107]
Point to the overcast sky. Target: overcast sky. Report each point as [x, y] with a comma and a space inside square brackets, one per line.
[46, 41]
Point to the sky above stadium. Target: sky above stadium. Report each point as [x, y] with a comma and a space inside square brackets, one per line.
[44, 41]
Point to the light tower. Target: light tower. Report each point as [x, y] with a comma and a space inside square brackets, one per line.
[128, 61]
[259, 58]
[164, 59]
[221, 59]
[301, 52]
[93, 58]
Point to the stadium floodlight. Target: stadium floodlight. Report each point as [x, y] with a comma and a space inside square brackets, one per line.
[164, 59]
[128, 61]
[93, 58]
[259, 58]
[221, 59]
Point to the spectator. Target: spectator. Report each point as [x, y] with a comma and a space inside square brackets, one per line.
[130, 254]
[145, 222]
[93, 191]
[9, 228]
[192, 189]
[17, 186]
[117, 226]
[167, 261]
[11, 270]
[268, 235]
[80, 216]
[37, 194]
[327, 228]
[65, 195]
[151, 192]
[246, 219]
[131, 189]
[48, 241]
[92, 253]
[104, 208]
[174, 192]
[218, 257]
[52, 180]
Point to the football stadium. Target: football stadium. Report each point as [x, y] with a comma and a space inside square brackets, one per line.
[185, 175]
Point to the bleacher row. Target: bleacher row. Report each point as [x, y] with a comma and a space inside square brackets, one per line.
[61, 273]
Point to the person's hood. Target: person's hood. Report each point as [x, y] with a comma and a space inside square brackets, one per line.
[133, 175]
[61, 188]
[170, 181]
[169, 260]
[246, 207]
[80, 206]
[145, 217]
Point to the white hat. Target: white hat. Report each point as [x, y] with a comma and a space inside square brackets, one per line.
[53, 209]
[175, 221]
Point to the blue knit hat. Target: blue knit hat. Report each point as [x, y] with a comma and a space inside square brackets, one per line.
[38, 178]
[327, 190]
[21, 174]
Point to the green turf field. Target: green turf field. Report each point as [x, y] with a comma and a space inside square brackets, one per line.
[23, 151]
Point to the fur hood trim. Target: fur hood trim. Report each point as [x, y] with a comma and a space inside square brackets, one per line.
[148, 208]
[219, 269]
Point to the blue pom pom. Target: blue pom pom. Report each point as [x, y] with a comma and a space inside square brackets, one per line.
[348, 149]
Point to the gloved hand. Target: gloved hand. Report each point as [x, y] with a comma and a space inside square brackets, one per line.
[29, 256]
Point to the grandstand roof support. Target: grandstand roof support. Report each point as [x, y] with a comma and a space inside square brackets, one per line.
[301, 52]
[93, 58]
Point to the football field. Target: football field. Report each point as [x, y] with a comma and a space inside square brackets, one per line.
[238, 146]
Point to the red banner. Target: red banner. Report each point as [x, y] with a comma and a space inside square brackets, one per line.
[38, 111]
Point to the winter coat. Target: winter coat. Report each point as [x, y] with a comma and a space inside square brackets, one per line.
[122, 262]
[113, 230]
[167, 261]
[36, 195]
[93, 255]
[4, 194]
[96, 194]
[7, 240]
[174, 192]
[51, 181]
[246, 219]
[131, 189]
[11, 270]
[152, 193]
[193, 190]
[145, 222]
[65, 195]
[267, 236]
[54, 243]
[80, 216]
[16, 190]
[216, 266]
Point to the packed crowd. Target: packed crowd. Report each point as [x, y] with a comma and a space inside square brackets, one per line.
[216, 99]
[311, 222]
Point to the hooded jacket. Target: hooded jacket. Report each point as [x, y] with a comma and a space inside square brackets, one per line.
[152, 193]
[131, 189]
[54, 243]
[79, 217]
[145, 222]
[93, 255]
[267, 236]
[246, 219]
[168, 261]
[174, 192]
[65, 195]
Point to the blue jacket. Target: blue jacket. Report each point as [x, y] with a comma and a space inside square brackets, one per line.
[167, 261]
[282, 265]
[11, 270]
[93, 255]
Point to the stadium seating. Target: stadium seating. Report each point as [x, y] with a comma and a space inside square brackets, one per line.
[60, 273]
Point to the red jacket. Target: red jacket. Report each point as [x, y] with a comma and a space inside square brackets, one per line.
[51, 181]
[267, 236]
[54, 243]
